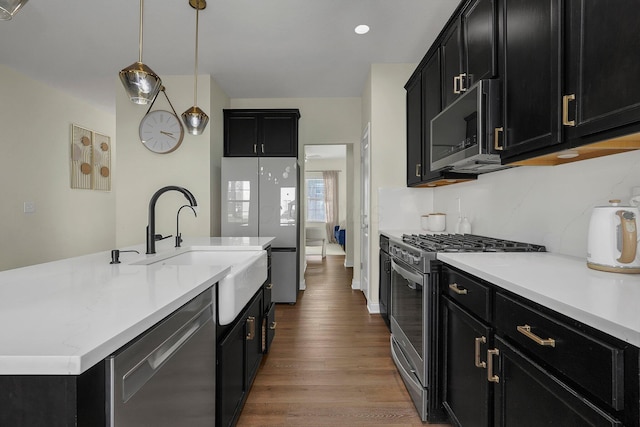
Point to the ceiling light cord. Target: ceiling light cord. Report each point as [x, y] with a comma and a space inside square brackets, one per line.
[195, 77]
[140, 35]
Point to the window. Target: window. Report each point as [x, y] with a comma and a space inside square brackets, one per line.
[315, 200]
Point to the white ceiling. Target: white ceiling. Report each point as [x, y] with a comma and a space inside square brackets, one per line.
[252, 48]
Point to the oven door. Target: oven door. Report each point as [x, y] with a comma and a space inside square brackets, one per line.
[407, 314]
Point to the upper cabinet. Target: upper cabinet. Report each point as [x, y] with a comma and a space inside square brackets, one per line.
[529, 69]
[468, 49]
[570, 83]
[602, 89]
[424, 102]
[264, 133]
[568, 79]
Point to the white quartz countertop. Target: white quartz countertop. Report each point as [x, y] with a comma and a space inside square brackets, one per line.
[606, 301]
[62, 317]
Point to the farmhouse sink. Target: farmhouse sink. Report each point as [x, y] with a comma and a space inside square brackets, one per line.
[248, 272]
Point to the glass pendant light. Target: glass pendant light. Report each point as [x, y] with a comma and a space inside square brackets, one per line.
[8, 8]
[140, 82]
[195, 120]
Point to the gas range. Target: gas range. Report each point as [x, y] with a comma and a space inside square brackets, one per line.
[418, 249]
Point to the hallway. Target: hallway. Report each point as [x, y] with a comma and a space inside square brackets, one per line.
[329, 364]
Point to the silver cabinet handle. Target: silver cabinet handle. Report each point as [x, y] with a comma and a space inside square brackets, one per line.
[496, 139]
[463, 86]
[456, 84]
[255, 148]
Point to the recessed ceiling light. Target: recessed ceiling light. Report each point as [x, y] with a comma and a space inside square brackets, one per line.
[362, 29]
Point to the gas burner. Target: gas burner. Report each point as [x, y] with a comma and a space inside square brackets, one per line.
[467, 243]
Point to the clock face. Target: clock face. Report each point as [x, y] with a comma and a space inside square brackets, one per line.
[161, 131]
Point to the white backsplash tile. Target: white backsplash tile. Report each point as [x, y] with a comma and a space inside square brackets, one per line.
[401, 207]
[547, 205]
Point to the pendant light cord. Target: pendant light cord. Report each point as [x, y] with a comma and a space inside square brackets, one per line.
[140, 36]
[195, 77]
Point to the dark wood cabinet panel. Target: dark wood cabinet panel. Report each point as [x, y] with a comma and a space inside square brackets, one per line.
[479, 37]
[230, 379]
[279, 135]
[466, 389]
[264, 133]
[526, 395]
[529, 38]
[431, 107]
[239, 353]
[414, 131]
[602, 65]
[451, 56]
[240, 134]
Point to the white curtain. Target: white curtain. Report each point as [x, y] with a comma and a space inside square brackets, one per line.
[331, 201]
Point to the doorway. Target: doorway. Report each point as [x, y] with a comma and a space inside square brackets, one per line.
[325, 195]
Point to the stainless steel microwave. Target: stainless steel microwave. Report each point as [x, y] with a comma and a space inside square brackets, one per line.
[461, 134]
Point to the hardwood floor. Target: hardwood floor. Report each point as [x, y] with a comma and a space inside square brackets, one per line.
[330, 363]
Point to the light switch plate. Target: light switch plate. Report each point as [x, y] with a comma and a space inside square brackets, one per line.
[29, 207]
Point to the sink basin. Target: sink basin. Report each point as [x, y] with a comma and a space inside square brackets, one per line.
[248, 272]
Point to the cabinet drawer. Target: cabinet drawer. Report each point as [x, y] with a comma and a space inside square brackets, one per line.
[467, 292]
[591, 363]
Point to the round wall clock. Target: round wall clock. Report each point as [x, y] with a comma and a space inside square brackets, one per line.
[161, 131]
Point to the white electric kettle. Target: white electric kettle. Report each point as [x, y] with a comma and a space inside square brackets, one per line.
[613, 239]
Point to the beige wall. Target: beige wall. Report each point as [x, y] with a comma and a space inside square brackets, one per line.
[194, 165]
[387, 112]
[35, 167]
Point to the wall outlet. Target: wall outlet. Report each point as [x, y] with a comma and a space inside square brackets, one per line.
[29, 207]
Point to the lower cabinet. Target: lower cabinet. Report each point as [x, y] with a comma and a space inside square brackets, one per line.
[527, 395]
[466, 394]
[239, 353]
[511, 362]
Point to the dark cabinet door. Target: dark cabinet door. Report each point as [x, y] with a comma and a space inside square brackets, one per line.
[385, 286]
[528, 396]
[230, 380]
[466, 389]
[529, 58]
[451, 57]
[602, 70]
[253, 338]
[479, 37]
[266, 133]
[431, 107]
[279, 135]
[414, 132]
[240, 134]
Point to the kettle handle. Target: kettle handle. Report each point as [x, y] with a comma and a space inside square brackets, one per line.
[629, 236]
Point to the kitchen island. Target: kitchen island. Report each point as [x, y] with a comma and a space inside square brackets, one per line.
[63, 319]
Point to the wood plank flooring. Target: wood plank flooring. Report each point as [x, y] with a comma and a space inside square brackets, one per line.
[330, 363]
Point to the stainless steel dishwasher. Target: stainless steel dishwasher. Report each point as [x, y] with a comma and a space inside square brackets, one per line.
[166, 377]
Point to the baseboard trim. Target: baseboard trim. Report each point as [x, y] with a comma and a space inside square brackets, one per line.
[355, 285]
[303, 285]
[348, 263]
[374, 308]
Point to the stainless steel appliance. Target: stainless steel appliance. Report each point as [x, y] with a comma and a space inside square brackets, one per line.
[260, 198]
[414, 308]
[167, 376]
[461, 135]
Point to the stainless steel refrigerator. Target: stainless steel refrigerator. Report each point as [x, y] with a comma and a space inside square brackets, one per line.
[260, 198]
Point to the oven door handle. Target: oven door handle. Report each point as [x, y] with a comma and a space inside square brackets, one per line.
[407, 274]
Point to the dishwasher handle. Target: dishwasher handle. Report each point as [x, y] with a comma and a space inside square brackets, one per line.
[146, 368]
